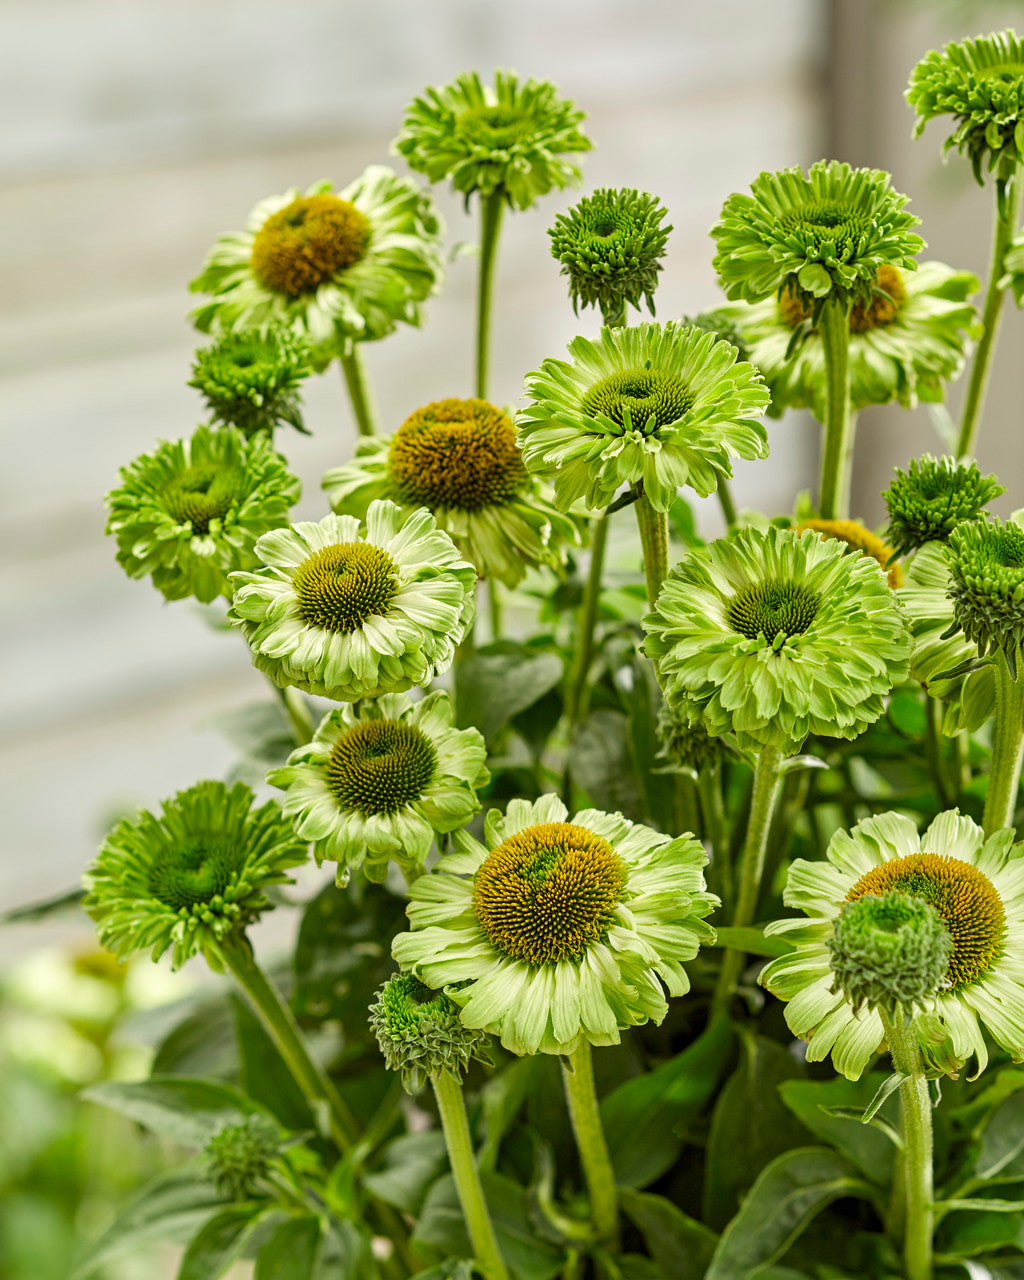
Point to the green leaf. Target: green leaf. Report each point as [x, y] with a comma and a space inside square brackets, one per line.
[681, 1246]
[1002, 1143]
[170, 1208]
[502, 1097]
[643, 1117]
[189, 1111]
[498, 682]
[750, 1126]
[263, 1075]
[658, 789]
[291, 1252]
[261, 733]
[815, 279]
[752, 940]
[965, 1235]
[813, 1102]
[450, 1269]
[344, 1252]
[600, 763]
[441, 1224]
[218, 1243]
[412, 1163]
[785, 1198]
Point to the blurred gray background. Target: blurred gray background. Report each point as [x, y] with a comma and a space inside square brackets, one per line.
[136, 131]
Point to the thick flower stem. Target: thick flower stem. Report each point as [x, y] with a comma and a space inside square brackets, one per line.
[916, 1110]
[767, 778]
[1007, 748]
[725, 501]
[280, 1024]
[491, 208]
[654, 539]
[974, 399]
[454, 1122]
[837, 455]
[578, 687]
[354, 368]
[578, 1075]
[297, 711]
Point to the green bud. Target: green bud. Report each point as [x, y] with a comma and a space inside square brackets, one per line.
[251, 379]
[934, 495]
[239, 1156]
[420, 1032]
[987, 587]
[717, 322]
[686, 748]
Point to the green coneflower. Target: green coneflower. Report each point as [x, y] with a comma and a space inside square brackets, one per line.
[610, 246]
[653, 405]
[349, 610]
[250, 379]
[378, 781]
[558, 932]
[976, 887]
[511, 138]
[773, 635]
[421, 1034]
[190, 512]
[193, 877]
[336, 267]
[239, 1157]
[987, 586]
[934, 495]
[460, 459]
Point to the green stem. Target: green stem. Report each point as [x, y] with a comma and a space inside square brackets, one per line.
[578, 689]
[654, 539]
[454, 1122]
[578, 1076]
[614, 316]
[284, 1031]
[762, 805]
[1002, 234]
[837, 455]
[916, 1110]
[715, 829]
[494, 606]
[726, 503]
[354, 368]
[298, 714]
[1007, 746]
[944, 788]
[491, 208]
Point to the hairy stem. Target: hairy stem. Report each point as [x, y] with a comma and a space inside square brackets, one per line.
[356, 379]
[654, 539]
[1007, 746]
[916, 1111]
[298, 714]
[837, 455]
[578, 688]
[491, 208]
[578, 1076]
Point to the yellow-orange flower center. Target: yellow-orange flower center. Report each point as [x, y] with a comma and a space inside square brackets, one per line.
[341, 586]
[307, 242]
[857, 538]
[882, 310]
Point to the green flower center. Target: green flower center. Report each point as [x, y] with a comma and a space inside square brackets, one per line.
[495, 128]
[341, 586]
[456, 453]
[201, 494]
[197, 871]
[308, 242]
[827, 228]
[638, 399]
[881, 311]
[548, 893]
[1005, 547]
[379, 766]
[772, 609]
[963, 896]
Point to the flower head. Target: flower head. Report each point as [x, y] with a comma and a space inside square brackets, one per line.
[823, 235]
[335, 267]
[378, 781]
[980, 83]
[860, 540]
[511, 138]
[187, 880]
[350, 610]
[657, 405]
[190, 512]
[686, 748]
[773, 635]
[719, 322]
[420, 1032]
[559, 931]
[987, 586]
[239, 1157]
[934, 495]
[610, 246]
[460, 459]
[976, 888]
[251, 379]
[906, 342]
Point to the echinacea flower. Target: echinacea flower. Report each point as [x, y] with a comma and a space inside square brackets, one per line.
[420, 1033]
[773, 635]
[189, 879]
[238, 1158]
[860, 540]
[610, 246]
[512, 138]
[250, 379]
[460, 459]
[336, 267]
[976, 886]
[380, 780]
[349, 610]
[190, 512]
[558, 932]
[652, 405]
[934, 495]
[980, 84]
[826, 234]
[986, 586]
[906, 341]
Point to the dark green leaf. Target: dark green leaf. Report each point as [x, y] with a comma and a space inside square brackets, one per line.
[218, 1243]
[291, 1252]
[783, 1200]
[601, 764]
[643, 1117]
[658, 788]
[1000, 1155]
[345, 1254]
[502, 1097]
[681, 1246]
[412, 1163]
[202, 1043]
[498, 682]
[186, 1110]
[264, 1077]
[869, 1149]
[450, 1269]
[965, 1235]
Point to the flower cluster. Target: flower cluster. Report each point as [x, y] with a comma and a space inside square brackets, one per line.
[934, 495]
[239, 1157]
[421, 1034]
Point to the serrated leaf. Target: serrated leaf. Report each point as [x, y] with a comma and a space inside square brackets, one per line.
[189, 1111]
